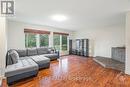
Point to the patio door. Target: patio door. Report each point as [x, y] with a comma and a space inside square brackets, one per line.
[61, 43]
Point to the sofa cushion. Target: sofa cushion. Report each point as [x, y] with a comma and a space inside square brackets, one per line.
[26, 57]
[51, 56]
[22, 66]
[31, 51]
[22, 53]
[13, 57]
[40, 59]
[8, 59]
[42, 50]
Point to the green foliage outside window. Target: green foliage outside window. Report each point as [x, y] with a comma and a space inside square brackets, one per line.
[56, 41]
[30, 40]
[44, 40]
[64, 42]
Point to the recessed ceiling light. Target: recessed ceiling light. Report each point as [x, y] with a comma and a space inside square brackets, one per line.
[59, 17]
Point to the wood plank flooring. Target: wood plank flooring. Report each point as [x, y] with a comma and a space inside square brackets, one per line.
[76, 71]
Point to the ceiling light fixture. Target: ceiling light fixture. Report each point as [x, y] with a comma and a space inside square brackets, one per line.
[59, 17]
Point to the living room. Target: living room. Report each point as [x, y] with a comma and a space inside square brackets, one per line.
[65, 43]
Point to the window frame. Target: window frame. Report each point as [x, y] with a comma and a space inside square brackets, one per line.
[40, 40]
[27, 40]
[60, 45]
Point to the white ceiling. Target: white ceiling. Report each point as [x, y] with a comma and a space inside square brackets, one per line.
[81, 13]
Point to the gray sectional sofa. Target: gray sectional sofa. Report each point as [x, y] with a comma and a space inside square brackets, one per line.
[25, 63]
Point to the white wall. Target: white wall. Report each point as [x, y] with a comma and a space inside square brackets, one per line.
[16, 36]
[127, 67]
[3, 44]
[102, 39]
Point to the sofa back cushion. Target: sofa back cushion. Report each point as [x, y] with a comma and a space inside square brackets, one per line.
[22, 52]
[12, 57]
[42, 50]
[31, 51]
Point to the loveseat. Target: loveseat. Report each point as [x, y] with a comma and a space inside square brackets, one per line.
[24, 63]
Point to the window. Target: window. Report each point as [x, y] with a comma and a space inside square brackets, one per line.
[60, 42]
[36, 38]
[56, 41]
[30, 40]
[44, 40]
[64, 42]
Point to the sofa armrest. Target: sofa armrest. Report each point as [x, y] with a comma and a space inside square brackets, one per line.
[53, 50]
[57, 52]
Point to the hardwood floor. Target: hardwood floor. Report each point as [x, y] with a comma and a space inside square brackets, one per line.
[76, 71]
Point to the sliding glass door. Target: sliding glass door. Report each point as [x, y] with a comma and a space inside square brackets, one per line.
[61, 43]
[56, 41]
[64, 43]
